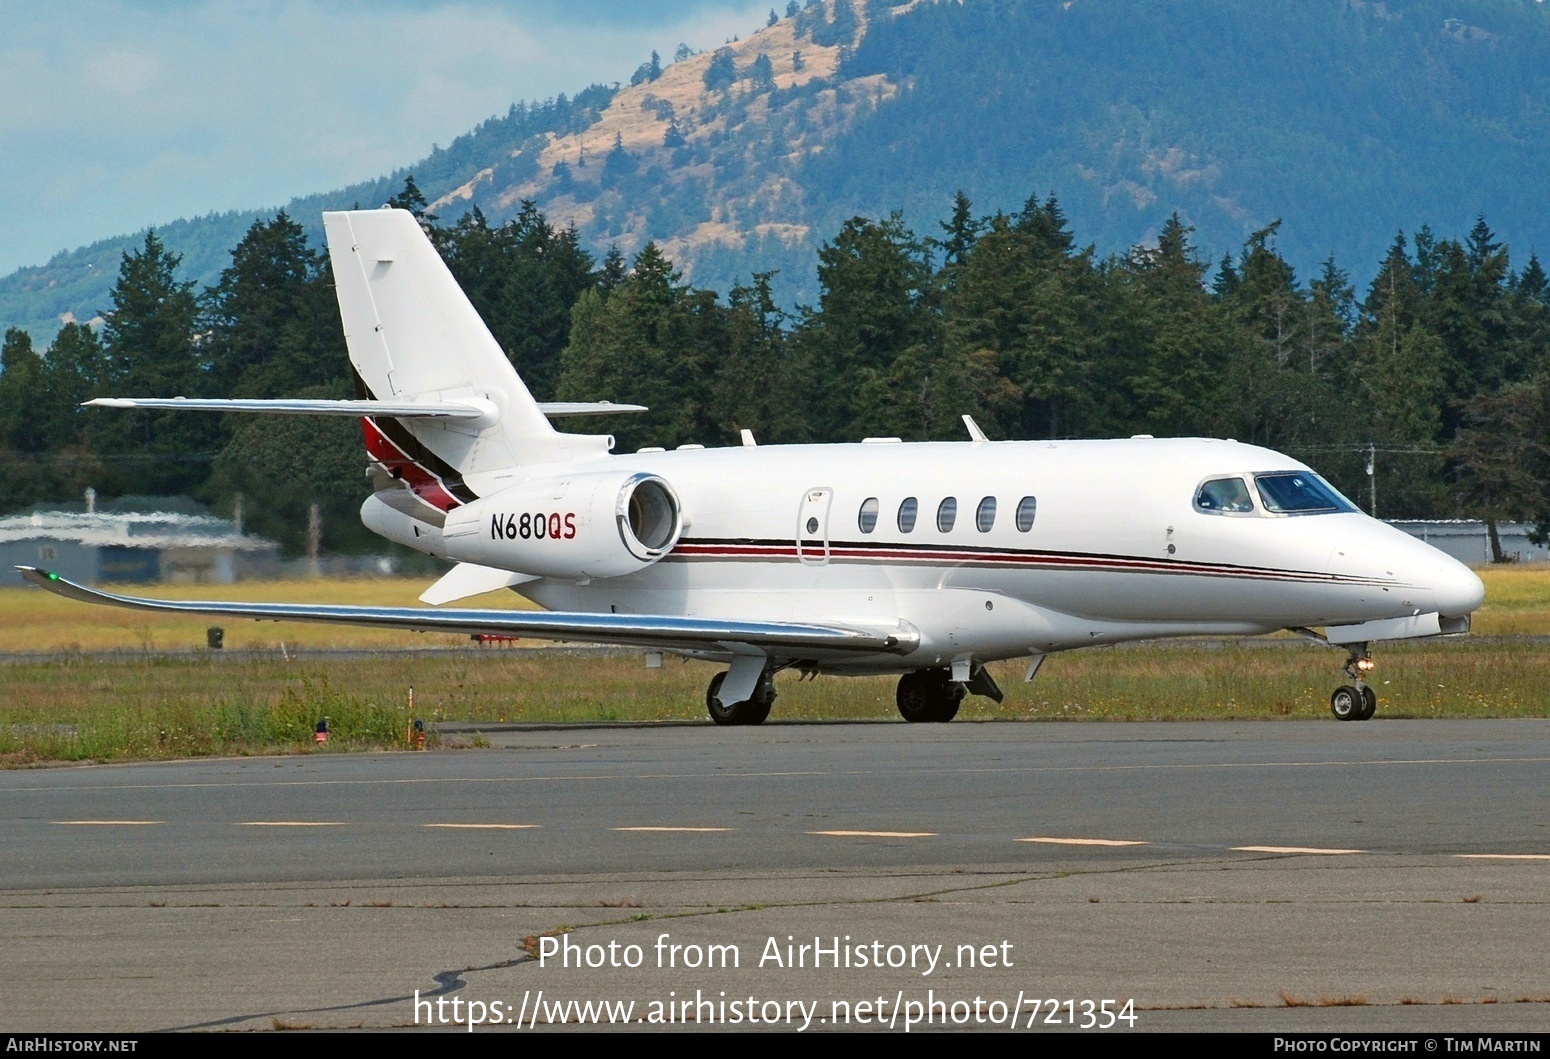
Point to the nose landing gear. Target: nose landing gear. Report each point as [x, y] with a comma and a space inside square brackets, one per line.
[1355, 701]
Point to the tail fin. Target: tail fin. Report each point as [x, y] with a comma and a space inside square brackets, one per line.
[413, 336]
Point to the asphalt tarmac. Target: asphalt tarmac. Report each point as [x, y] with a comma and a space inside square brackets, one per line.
[1387, 876]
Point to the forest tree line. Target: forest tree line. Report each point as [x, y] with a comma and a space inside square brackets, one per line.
[1437, 375]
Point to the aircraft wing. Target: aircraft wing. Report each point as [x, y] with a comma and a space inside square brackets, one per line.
[654, 631]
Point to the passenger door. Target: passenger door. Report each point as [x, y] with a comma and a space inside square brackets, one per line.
[813, 526]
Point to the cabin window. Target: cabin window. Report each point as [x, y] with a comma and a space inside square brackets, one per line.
[907, 512]
[985, 517]
[867, 519]
[1027, 508]
[947, 514]
[1224, 496]
[1299, 493]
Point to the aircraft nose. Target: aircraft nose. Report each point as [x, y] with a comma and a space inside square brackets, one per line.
[1458, 591]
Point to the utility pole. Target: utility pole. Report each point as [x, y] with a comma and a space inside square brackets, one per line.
[1372, 480]
[314, 538]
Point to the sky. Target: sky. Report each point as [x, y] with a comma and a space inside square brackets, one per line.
[115, 116]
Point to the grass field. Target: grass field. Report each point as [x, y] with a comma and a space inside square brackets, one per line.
[34, 620]
[140, 703]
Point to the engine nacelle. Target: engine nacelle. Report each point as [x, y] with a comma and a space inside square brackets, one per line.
[391, 513]
[596, 524]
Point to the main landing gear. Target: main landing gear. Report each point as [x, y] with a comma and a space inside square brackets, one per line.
[1355, 701]
[929, 695]
[750, 711]
[925, 695]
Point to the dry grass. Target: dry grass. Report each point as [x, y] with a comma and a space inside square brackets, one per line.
[1517, 600]
[150, 706]
[34, 620]
[1517, 603]
[139, 703]
[1353, 1001]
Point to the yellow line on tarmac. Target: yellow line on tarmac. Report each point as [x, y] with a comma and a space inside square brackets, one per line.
[109, 823]
[1086, 841]
[692, 830]
[1292, 849]
[876, 834]
[289, 823]
[486, 827]
[1503, 856]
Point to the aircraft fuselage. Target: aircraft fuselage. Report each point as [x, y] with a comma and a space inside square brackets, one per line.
[1049, 546]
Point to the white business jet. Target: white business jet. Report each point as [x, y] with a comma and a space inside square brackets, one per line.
[925, 560]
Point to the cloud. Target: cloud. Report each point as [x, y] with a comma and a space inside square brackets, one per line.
[119, 115]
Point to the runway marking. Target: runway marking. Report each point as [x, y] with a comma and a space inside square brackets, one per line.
[1291, 849]
[289, 823]
[635, 777]
[109, 823]
[486, 827]
[1086, 841]
[1502, 856]
[876, 834]
[692, 830]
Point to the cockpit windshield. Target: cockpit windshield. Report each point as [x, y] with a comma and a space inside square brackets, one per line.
[1228, 496]
[1299, 493]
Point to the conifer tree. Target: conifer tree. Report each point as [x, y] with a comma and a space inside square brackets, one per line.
[722, 71]
[271, 322]
[1170, 337]
[21, 392]
[149, 341]
[74, 372]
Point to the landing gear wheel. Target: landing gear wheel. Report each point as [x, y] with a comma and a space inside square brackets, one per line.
[1347, 703]
[946, 711]
[914, 696]
[928, 695]
[733, 714]
[1355, 701]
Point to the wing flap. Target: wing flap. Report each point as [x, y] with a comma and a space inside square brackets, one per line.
[669, 632]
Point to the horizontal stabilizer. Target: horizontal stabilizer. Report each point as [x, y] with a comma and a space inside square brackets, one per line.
[470, 409]
[471, 579]
[300, 407]
[656, 631]
[560, 409]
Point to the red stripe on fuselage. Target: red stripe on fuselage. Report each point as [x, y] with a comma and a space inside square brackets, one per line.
[425, 485]
[1047, 560]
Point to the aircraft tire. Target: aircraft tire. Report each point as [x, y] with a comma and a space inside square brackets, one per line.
[928, 695]
[1347, 703]
[914, 697]
[948, 709]
[735, 714]
[1369, 704]
[724, 714]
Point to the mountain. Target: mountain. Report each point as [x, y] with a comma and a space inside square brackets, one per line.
[1347, 120]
